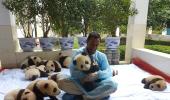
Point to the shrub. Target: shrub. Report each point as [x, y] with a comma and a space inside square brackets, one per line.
[160, 48]
[122, 49]
[156, 42]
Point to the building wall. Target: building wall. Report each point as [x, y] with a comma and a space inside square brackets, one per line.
[8, 40]
[160, 61]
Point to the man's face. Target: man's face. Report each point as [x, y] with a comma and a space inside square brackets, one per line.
[92, 45]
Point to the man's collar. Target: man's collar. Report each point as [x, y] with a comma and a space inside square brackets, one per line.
[86, 51]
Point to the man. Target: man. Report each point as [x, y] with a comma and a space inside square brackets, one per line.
[106, 86]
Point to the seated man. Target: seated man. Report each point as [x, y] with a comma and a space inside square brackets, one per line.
[106, 86]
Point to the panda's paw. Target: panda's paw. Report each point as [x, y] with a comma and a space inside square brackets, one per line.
[143, 81]
[115, 72]
[146, 86]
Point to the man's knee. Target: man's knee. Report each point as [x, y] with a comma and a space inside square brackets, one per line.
[113, 85]
[69, 86]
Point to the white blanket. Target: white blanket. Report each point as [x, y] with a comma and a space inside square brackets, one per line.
[129, 84]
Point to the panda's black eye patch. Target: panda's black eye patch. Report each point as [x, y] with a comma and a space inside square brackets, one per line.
[52, 65]
[86, 62]
[54, 90]
[158, 86]
[35, 58]
[27, 92]
[81, 66]
[151, 86]
[46, 85]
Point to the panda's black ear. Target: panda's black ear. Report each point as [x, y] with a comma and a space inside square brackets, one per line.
[57, 66]
[41, 63]
[74, 62]
[30, 61]
[54, 77]
[46, 85]
[45, 62]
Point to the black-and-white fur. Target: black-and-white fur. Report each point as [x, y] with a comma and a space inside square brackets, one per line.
[29, 61]
[44, 88]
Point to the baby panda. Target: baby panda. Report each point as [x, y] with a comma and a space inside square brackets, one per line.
[51, 66]
[35, 72]
[84, 63]
[64, 60]
[44, 88]
[20, 94]
[154, 82]
[30, 60]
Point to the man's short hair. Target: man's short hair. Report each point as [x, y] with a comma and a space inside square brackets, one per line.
[93, 35]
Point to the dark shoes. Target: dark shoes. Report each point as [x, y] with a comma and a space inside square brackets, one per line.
[106, 98]
[67, 96]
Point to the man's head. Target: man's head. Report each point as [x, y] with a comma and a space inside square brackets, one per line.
[93, 40]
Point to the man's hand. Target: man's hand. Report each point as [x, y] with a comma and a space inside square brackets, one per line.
[90, 77]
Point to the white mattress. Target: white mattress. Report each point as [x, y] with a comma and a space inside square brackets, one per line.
[129, 84]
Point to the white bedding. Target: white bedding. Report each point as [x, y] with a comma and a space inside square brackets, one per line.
[129, 84]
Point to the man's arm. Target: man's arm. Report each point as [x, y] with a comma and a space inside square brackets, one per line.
[105, 69]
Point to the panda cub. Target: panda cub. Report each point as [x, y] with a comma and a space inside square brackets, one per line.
[51, 66]
[20, 94]
[44, 88]
[30, 60]
[35, 72]
[64, 60]
[154, 82]
[83, 63]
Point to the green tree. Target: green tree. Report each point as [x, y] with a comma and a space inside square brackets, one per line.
[64, 15]
[158, 13]
[90, 14]
[43, 15]
[116, 13]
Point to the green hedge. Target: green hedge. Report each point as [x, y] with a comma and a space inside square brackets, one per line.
[148, 42]
[122, 49]
[156, 42]
[160, 48]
